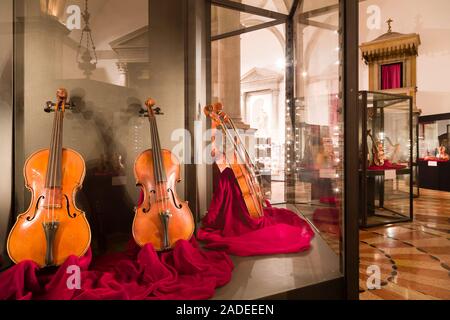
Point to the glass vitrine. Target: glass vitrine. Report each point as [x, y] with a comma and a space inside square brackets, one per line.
[386, 153]
[434, 159]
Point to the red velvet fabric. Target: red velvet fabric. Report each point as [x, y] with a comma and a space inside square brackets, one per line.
[329, 200]
[187, 272]
[328, 220]
[229, 227]
[387, 166]
[391, 76]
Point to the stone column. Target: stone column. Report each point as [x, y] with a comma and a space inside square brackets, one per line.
[123, 73]
[54, 8]
[229, 66]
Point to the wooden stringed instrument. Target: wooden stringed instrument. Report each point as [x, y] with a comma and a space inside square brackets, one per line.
[394, 155]
[53, 228]
[244, 169]
[378, 157]
[162, 218]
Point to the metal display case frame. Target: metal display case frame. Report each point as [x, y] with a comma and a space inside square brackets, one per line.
[372, 182]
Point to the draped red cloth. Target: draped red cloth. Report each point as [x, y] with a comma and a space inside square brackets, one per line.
[186, 272]
[328, 220]
[391, 76]
[229, 227]
[387, 166]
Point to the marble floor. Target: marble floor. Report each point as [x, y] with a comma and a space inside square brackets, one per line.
[414, 258]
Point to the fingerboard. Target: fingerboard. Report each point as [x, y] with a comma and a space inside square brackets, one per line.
[158, 165]
[54, 171]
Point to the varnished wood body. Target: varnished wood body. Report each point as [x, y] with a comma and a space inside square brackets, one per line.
[147, 226]
[248, 188]
[27, 240]
[247, 181]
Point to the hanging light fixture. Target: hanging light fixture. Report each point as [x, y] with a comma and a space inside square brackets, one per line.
[87, 61]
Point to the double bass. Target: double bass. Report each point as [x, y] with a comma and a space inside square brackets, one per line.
[162, 218]
[244, 169]
[53, 228]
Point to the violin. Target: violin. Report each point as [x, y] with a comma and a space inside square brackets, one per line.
[162, 218]
[53, 228]
[244, 169]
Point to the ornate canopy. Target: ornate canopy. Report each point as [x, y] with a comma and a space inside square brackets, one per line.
[391, 45]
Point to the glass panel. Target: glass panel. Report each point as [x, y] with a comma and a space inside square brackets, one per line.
[227, 20]
[281, 6]
[109, 87]
[435, 135]
[6, 125]
[325, 20]
[251, 85]
[321, 7]
[388, 139]
[422, 76]
[315, 142]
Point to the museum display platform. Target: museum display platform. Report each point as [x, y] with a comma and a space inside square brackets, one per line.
[434, 175]
[293, 276]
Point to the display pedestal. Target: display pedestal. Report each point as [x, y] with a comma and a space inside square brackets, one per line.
[434, 175]
[285, 276]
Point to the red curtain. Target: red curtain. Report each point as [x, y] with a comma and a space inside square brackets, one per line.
[391, 76]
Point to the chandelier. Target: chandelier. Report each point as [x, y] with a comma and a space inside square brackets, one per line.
[87, 61]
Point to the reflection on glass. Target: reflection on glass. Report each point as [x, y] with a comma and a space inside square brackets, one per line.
[386, 157]
[317, 137]
[105, 128]
[434, 137]
[281, 6]
[251, 85]
[225, 20]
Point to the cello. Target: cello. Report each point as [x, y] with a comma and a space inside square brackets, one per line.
[53, 228]
[242, 165]
[162, 218]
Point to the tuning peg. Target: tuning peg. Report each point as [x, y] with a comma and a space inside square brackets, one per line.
[158, 111]
[143, 113]
[71, 106]
[49, 107]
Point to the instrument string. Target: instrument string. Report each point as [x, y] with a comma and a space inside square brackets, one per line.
[161, 162]
[155, 163]
[49, 177]
[60, 154]
[55, 175]
[252, 183]
[157, 171]
[231, 139]
[52, 185]
[252, 166]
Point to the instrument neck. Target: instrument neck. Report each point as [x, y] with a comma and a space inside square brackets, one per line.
[54, 171]
[158, 166]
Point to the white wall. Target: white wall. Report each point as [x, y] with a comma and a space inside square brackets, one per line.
[431, 20]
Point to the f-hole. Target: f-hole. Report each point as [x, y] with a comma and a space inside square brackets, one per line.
[36, 208]
[147, 210]
[73, 216]
[178, 206]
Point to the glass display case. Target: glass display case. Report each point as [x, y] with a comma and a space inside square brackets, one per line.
[434, 159]
[386, 153]
[294, 104]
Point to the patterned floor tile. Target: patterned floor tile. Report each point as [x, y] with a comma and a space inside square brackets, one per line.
[414, 258]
